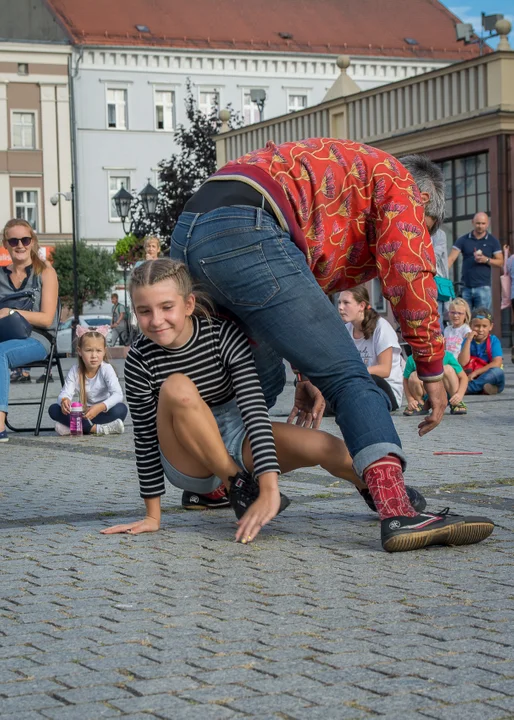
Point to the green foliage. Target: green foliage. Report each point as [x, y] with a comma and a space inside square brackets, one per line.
[97, 271]
[129, 250]
[183, 173]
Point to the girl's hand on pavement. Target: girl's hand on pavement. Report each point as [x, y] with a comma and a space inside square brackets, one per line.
[147, 525]
[258, 514]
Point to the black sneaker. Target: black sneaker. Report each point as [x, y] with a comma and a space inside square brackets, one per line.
[416, 499]
[42, 378]
[401, 533]
[195, 501]
[244, 491]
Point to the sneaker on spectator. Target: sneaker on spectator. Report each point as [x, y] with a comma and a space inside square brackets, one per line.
[62, 429]
[401, 533]
[116, 427]
[4, 437]
[42, 378]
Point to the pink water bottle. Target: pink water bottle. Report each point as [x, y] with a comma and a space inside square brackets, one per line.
[76, 419]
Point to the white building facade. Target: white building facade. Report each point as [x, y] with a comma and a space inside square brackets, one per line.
[129, 101]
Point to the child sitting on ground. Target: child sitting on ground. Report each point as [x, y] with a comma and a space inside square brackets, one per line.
[481, 356]
[97, 386]
[455, 382]
[454, 333]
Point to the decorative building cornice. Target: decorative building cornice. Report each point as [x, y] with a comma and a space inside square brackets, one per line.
[250, 64]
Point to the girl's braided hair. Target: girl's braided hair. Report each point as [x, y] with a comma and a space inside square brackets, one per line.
[152, 272]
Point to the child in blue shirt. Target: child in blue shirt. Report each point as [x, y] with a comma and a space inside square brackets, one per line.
[481, 356]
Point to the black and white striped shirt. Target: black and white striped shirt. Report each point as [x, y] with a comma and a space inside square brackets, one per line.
[219, 361]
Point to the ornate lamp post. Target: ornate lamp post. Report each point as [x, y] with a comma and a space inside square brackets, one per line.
[123, 200]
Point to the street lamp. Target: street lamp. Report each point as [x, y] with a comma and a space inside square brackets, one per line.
[70, 197]
[258, 96]
[149, 196]
[123, 200]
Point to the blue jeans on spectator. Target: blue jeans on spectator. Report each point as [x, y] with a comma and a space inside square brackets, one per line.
[253, 269]
[13, 354]
[117, 412]
[493, 376]
[477, 297]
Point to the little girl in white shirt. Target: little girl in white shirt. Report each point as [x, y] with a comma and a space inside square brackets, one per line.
[97, 386]
[455, 333]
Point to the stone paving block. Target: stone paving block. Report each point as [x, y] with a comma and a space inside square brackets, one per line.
[86, 711]
[462, 694]
[152, 703]
[472, 711]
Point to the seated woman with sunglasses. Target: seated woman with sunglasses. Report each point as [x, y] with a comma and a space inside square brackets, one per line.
[27, 271]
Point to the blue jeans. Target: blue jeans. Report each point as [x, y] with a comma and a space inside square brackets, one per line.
[13, 354]
[117, 412]
[477, 297]
[252, 268]
[493, 376]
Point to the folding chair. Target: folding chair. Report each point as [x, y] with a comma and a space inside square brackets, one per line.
[53, 359]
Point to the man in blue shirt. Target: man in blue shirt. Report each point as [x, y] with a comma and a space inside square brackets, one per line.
[480, 251]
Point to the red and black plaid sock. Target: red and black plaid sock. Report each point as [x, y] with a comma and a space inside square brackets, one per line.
[217, 494]
[384, 479]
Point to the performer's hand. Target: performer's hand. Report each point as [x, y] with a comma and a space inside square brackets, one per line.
[438, 400]
[309, 405]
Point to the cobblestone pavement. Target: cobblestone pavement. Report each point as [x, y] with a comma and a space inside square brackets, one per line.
[312, 621]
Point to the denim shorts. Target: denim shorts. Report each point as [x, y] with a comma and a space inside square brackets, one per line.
[233, 433]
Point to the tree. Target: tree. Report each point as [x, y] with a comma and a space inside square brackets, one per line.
[184, 172]
[97, 272]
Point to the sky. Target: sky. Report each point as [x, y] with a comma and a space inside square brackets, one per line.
[470, 12]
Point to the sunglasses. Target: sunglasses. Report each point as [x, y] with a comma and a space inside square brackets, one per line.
[14, 242]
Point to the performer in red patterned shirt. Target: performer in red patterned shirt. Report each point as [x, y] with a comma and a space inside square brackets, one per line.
[270, 234]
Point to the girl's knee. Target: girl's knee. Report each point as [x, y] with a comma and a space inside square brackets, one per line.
[179, 391]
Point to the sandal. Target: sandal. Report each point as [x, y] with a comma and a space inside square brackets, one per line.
[420, 410]
[459, 409]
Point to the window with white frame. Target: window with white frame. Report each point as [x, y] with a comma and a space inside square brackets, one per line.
[26, 206]
[296, 101]
[164, 109]
[377, 299]
[116, 182]
[117, 108]
[208, 100]
[23, 130]
[250, 110]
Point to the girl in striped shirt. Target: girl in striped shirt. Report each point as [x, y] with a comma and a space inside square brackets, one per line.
[199, 414]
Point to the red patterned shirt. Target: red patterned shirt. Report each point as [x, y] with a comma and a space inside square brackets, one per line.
[356, 213]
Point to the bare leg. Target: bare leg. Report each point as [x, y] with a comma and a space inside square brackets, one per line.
[299, 447]
[416, 387]
[450, 380]
[188, 433]
[2, 421]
